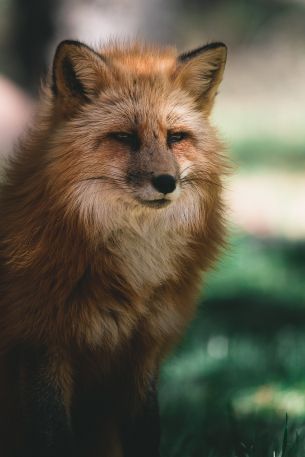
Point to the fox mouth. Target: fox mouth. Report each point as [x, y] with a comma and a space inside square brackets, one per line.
[160, 203]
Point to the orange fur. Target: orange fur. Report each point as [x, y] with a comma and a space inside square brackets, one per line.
[105, 282]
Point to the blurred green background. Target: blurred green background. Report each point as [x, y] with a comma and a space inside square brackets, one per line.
[240, 368]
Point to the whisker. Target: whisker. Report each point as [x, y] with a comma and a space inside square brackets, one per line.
[199, 180]
[100, 191]
[188, 167]
[113, 179]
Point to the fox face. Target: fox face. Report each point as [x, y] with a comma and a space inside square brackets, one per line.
[134, 123]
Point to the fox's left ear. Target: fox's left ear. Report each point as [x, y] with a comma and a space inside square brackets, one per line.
[200, 72]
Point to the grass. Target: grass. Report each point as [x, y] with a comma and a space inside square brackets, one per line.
[226, 390]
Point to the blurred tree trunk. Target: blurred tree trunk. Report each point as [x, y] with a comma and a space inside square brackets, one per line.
[33, 29]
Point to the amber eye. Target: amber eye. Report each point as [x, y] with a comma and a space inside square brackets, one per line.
[176, 137]
[129, 138]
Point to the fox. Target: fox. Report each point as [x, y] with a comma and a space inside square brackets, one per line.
[111, 213]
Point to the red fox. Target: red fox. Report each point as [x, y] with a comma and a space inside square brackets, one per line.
[110, 211]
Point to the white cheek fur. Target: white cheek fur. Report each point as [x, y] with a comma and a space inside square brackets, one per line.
[107, 209]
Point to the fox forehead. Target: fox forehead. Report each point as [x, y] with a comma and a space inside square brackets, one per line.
[145, 110]
[144, 101]
[141, 59]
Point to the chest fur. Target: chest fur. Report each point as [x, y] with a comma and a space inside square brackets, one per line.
[129, 281]
[148, 258]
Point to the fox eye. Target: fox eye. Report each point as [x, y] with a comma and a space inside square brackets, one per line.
[176, 137]
[129, 138]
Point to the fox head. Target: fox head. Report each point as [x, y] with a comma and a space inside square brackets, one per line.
[131, 132]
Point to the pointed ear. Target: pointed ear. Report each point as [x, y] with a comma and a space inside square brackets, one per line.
[200, 73]
[78, 74]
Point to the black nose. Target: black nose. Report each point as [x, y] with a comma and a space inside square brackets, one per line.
[164, 183]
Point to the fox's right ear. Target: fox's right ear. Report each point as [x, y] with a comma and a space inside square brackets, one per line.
[78, 74]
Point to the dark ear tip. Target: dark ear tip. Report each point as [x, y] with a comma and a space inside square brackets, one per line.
[202, 49]
[215, 45]
[222, 45]
[65, 43]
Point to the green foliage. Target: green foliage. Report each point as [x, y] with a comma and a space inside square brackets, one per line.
[241, 367]
[269, 153]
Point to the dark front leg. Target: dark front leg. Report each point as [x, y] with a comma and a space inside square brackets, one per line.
[44, 394]
[141, 431]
